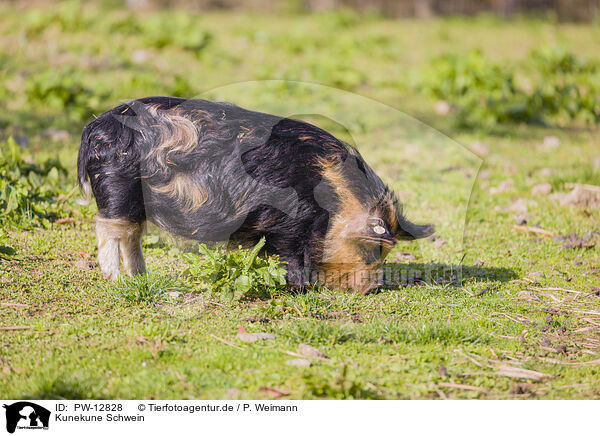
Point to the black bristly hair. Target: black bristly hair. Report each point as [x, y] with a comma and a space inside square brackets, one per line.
[212, 171]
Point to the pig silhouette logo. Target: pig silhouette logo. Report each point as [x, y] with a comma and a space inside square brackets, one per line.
[26, 415]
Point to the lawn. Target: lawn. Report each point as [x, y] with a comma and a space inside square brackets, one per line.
[504, 302]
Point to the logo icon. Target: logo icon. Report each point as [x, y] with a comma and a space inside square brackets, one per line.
[26, 415]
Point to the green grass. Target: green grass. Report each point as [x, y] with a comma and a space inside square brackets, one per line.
[147, 289]
[85, 338]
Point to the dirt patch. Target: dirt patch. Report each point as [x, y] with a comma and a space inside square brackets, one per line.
[572, 240]
[586, 196]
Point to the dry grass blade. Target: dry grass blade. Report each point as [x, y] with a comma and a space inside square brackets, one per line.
[558, 289]
[8, 369]
[592, 188]
[274, 392]
[142, 340]
[586, 312]
[64, 198]
[551, 296]
[15, 327]
[560, 362]
[226, 342]
[14, 305]
[535, 230]
[441, 393]
[291, 353]
[311, 352]
[522, 318]
[529, 296]
[462, 353]
[591, 321]
[470, 293]
[463, 387]
[516, 372]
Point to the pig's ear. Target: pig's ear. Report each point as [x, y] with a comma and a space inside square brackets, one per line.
[408, 231]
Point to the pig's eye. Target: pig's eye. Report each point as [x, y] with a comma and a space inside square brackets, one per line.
[376, 225]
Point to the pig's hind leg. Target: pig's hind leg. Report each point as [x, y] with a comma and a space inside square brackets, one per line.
[119, 237]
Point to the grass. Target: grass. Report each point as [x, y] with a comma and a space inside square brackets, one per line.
[147, 289]
[418, 339]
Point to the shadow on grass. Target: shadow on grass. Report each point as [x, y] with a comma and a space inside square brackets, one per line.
[399, 275]
[532, 131]
[338, 386]
[61, 389]
[391, 329]
[6, 251]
